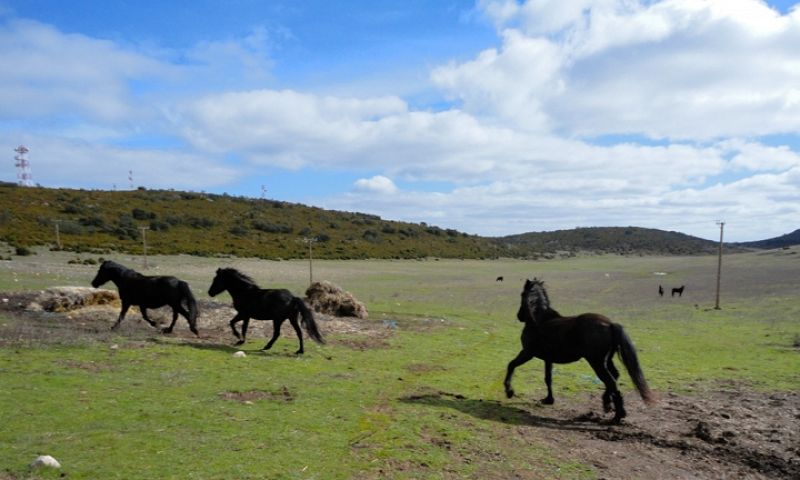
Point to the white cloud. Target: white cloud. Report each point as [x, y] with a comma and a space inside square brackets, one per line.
[377, 184]
[46, 72]
[676, 68]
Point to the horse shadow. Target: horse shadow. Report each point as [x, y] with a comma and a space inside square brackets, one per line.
[502, 412]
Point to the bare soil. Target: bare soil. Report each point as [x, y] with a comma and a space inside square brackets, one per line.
[730, 431]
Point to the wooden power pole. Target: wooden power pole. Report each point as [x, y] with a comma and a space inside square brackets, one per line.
[719, 261]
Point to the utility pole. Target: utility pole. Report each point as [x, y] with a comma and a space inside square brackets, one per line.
[144, 244]
[310, 241]
[719, 262]
[58, 234]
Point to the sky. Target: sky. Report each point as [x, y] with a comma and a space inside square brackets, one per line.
[492, 117]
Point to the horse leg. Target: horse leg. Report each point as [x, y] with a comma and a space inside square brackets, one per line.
[122, 313]
[296, 326]
[611, 392]
[611, 367]
[276, 332]
[171, 325]
[548, 380]
[522, 357]
[232, 324]
[245, 324]
[144, 315]
[182, 311]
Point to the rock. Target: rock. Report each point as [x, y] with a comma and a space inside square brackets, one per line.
[239, 354]
[45, 461]
[327, 298]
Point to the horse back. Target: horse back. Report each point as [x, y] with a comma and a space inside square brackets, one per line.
[151, 291]
[568, 339]
[266, 304]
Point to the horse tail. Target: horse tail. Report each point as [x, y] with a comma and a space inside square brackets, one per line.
[308, 320]
[191, 303]
[627, 352]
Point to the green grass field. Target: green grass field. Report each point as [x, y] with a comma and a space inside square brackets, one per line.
[424, 402]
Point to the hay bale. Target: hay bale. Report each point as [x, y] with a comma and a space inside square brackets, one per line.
[327, 298]
[64, 299]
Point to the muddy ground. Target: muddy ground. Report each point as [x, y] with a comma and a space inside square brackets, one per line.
[729, 431]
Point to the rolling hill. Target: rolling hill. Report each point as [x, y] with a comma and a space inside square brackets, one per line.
[214, 225]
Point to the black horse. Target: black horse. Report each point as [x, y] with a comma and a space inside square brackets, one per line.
[556, 339]
[277, 305]
[149, 292]
[660, 291]
[679, 291]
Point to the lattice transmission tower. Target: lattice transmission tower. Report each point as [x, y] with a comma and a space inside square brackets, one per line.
[24, 176]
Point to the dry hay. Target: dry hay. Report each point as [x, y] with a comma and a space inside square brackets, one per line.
[327, 298]
[65, 299]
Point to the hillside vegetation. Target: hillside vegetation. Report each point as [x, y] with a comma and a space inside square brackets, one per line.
[212, 225]
[203, 224]
[622, 240]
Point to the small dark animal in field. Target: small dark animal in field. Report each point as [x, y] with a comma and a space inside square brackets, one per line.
[679, 291]
[556, 339]
[149, 292]
[660, 291]
[277, 305]
[499, 279]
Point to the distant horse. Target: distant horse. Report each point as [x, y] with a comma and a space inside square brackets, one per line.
[679, 291]
[499, 279]
[660, 291]
[149, 292]
[250, 301]
[556, 339]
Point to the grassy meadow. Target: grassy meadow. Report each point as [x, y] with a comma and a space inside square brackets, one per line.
[423, 399]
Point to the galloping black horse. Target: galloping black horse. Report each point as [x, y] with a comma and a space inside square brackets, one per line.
[277, 305]
[148, 292]
[556, 339]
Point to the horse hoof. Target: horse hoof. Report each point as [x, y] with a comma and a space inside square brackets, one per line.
[548, 401]
[509, 393]
[299, 352]
[166, 330]
[239, 342]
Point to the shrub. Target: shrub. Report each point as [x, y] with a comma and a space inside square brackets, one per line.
[23, 251]
[270, 227]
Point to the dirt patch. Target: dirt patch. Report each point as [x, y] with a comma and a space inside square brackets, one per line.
[729, 432]
[250, 396]
[81, 321]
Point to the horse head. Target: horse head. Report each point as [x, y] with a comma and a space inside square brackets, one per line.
[108, 271]
[218, 285]
[534, 301]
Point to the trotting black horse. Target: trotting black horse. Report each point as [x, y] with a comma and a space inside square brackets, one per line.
[149, 292]
[251, 301]
[556, 339]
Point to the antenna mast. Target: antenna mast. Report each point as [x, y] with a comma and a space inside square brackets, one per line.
[24, 177]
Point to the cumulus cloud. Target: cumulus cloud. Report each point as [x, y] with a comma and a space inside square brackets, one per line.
[377, 184]
[671, 69]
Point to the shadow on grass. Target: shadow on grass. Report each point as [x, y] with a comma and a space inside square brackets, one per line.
[501, 412]
[224, 348]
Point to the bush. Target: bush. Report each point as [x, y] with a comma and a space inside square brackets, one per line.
[23, 251]
[270, 227]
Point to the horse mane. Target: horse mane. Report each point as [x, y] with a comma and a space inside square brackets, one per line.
[542, 309]
[239, 276]
[118, 268]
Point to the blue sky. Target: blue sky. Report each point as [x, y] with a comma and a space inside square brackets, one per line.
[493, 117]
